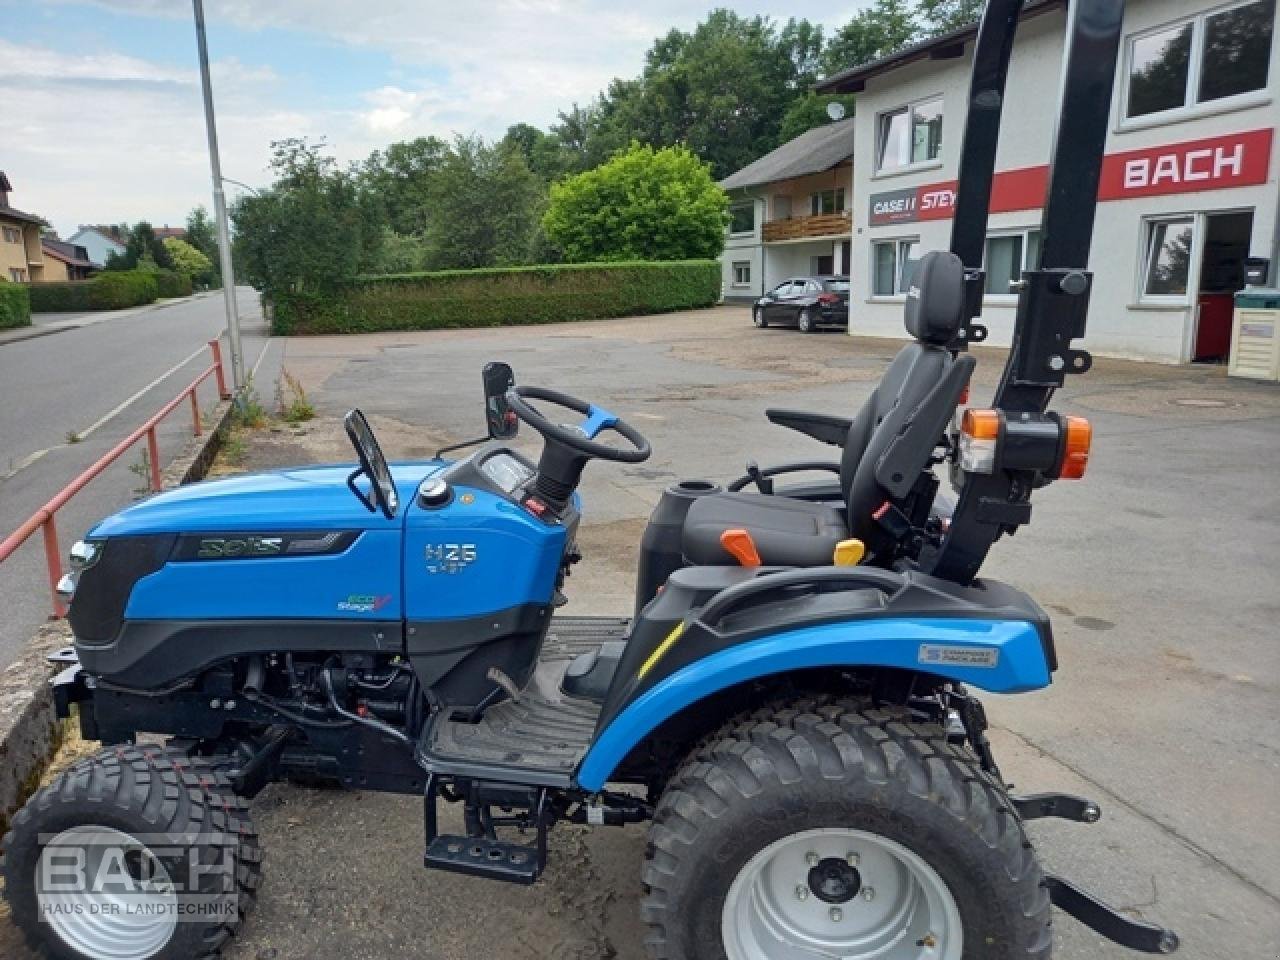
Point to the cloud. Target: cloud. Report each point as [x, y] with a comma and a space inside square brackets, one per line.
[109, 136]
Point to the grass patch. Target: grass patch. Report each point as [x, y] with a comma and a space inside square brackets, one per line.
[291, 400]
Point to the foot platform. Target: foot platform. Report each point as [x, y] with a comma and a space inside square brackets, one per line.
[482, 857]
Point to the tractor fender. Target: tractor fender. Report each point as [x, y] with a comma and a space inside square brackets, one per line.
[1002, 656]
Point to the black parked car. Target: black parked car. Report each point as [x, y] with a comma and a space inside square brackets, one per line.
[805, 302]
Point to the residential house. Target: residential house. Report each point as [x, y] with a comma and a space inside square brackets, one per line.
[99, 242]
[21, 259]
[1189, 182]
[65, 261]
[165, 232]
[790, 212]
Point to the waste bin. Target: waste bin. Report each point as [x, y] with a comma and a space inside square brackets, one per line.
[1255, 334]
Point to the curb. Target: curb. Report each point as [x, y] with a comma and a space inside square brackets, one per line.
[29, 732]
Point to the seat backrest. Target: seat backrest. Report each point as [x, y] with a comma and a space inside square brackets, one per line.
[934, 313]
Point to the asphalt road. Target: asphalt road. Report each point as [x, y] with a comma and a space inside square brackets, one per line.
[97, 383]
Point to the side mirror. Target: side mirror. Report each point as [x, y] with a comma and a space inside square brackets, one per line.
[502, 420]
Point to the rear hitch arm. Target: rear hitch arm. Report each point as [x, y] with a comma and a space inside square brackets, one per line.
[1106, 920]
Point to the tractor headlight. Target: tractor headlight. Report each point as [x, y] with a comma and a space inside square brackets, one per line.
[83, 556]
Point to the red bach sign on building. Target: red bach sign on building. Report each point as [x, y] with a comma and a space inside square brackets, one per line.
[1216, 163]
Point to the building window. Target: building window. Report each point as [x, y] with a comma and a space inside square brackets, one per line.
[893, 266]
[17, 275]
[827, 201]
[741, 273]
[1207, 58]
[909, 136]
[1166, 262]
[12, 235]
[742, 218]
[1006, 256]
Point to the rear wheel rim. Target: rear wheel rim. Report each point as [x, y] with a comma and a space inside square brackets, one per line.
[757, 317]
[114, 919]
[806, 322]
[806, 896]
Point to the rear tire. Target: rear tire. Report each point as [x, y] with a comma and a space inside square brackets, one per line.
[757, 317]
[805, 323]
[122, 795]
[830, 778]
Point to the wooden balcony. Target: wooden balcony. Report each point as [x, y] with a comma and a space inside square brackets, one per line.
[800, 228]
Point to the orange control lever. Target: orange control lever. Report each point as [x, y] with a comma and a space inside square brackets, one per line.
[741, 547]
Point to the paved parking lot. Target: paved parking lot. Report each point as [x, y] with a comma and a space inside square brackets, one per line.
[1161, 571]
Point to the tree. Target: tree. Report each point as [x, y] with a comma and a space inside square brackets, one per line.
[644, 204]
[142, 249]
[314, 230]
[187, 259]
[485, 207]
[942, 16]
[874, 33]
[401, 178]
[720, 89]
[544, 153]
[808, 112]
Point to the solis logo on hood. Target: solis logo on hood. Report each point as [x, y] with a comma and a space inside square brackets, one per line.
[363, 603]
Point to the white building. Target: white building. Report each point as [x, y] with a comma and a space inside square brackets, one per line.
[1189, 185]
[98, 243]
[789, 213]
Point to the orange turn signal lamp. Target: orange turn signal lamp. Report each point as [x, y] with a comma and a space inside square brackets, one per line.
[1075, 449]
[1050, 444]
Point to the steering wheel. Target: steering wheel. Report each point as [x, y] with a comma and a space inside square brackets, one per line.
[580, 437]
[568, 448]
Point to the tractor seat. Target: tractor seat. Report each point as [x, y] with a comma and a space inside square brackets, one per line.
[915, 400]
[788, 533]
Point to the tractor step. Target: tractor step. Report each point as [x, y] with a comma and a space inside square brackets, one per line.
[482, 857]
[481, 853]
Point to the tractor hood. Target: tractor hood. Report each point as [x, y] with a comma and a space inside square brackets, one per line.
[303, 498]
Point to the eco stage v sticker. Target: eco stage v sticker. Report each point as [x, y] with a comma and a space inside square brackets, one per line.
[932, 653]
[364, 603]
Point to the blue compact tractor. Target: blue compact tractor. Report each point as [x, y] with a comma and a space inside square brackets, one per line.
[791, 708]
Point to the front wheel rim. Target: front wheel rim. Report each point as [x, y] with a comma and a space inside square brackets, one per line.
[130, 920]
[806, 896]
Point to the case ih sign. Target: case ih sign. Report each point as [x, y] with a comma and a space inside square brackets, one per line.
[1236, 160]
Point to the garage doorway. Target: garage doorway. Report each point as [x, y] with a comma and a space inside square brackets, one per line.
[1226, 244]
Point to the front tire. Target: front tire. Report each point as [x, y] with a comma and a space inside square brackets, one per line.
[806, 322]
[171, 845]
[765, 842]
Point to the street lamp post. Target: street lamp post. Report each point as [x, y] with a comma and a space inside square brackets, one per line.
[220, 207]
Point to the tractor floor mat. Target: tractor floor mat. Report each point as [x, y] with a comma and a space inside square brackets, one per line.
[537, 738]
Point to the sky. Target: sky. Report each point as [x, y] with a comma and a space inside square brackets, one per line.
[100, 109]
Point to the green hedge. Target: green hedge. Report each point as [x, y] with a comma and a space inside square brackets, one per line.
[15, 305]
[502, 296]
[61, 297]
[110, 290]
[117, 289]
[171, 283]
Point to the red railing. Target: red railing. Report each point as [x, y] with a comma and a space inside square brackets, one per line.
[44, 519]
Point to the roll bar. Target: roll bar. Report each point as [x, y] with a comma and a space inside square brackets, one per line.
[1053, 299]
